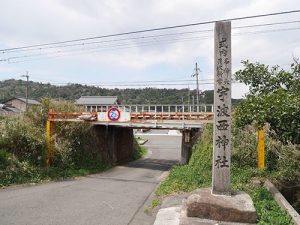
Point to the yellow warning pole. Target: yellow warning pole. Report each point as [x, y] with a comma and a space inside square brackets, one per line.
[261, 148]
[49, 141]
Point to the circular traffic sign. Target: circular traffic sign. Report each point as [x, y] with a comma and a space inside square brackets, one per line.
[114, 114]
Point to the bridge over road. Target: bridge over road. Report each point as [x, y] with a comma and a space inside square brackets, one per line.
[114, 125]
[142, 116]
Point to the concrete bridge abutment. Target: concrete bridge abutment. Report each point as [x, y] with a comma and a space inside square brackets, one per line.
[115, 144]
[189, 138]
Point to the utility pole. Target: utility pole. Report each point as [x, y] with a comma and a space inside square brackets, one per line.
[27, 83]
[196, 74]
[189, 95]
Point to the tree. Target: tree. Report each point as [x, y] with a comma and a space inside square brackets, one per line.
[274, 99]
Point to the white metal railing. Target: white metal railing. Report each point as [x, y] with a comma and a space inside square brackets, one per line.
[152, 108]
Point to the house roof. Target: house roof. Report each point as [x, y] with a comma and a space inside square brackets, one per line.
[4, 108]
[97, 100]
[30, 101]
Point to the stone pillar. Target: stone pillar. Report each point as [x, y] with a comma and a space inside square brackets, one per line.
[222, 106]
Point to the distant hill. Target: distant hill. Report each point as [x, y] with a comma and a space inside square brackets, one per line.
[11, 88]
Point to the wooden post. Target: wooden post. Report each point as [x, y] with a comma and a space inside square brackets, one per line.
[222, 106]
[261, 148]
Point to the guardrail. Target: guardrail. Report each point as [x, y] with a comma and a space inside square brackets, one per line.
[153, 108]
[134, 116]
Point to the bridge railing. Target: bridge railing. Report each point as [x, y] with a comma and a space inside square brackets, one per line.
[154, 108]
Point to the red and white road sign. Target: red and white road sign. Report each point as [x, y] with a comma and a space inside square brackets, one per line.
[114, 114]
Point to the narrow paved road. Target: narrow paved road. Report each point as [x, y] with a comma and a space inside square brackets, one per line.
[115, 197]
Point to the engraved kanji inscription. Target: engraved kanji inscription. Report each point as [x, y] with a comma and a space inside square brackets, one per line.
[222, 91]
[223, 43]
[222, 125]
[222, 110]
[222, 141]
[221, 162]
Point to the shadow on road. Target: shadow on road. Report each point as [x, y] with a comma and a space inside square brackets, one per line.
[153, 164]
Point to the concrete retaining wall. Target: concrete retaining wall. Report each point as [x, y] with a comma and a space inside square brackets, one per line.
[282, 202]
[189, 138]
[115, 144]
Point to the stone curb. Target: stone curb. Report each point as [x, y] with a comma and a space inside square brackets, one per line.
[282, 202]
[142, 142]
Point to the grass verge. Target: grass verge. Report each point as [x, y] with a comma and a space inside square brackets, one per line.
[13, 171]
[140, 152]
[197, 174]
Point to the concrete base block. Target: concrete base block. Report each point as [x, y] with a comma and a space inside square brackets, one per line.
[198, 221]
[168, 216]
[177, 216]
[236, 208]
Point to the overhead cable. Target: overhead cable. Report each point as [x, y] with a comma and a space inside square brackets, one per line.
[156, 29]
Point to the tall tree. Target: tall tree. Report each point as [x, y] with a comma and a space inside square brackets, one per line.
[274, 99]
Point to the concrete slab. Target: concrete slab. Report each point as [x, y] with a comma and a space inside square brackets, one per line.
[174, 200]
[177, 216]
[168, 216]
[198, 221]
[236, 208]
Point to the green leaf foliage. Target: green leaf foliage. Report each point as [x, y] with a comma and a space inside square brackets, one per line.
[274, 99]
[23, 146]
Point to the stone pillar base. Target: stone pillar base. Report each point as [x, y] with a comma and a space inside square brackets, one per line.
[235, 208]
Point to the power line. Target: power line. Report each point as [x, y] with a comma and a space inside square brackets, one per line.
[154, 29]
[139, 85]
[130, 82]
[152, 81]
[129, 45]
[108, 41]
[149, 36]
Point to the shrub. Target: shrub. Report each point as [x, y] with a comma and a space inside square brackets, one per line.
[14, 171]
[23, 139]
[273, 99]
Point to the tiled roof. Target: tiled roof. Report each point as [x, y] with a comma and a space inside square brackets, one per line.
[30, 101]
[97, 100]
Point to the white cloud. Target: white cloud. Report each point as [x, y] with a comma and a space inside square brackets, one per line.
[32, 21]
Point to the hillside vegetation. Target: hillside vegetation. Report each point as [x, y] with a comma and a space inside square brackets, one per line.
[16, 88]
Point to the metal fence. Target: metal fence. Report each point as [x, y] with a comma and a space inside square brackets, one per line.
[153, 108]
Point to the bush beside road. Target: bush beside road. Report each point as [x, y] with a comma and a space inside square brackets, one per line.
[23, 147]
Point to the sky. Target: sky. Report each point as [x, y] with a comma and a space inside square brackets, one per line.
[167, 56]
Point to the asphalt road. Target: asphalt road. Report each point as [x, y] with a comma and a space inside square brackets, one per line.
[115, 197]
